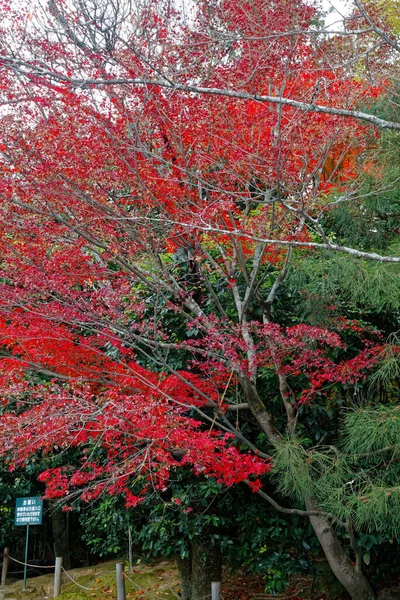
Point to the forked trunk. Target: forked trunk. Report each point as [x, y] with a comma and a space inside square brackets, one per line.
[353, 580]
[199, 570]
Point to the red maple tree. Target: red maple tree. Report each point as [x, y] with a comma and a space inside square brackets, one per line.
[142, 207]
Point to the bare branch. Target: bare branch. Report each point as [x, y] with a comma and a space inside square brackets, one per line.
[379, 32]
[29, 69]
[287, 511]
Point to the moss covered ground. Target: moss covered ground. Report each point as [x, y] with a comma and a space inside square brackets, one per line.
[157, 581]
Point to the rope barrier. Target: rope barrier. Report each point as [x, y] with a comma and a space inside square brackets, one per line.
[91, 589]
[29, 565]
[11, 573]
[67, 574]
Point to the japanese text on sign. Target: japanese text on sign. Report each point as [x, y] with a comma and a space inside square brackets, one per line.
[28, 511]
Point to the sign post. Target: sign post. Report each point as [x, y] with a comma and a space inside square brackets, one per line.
[26, 554]
[28, 511]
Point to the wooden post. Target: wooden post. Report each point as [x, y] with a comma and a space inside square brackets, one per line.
[57, 577]
[120, 581]
[5, 567]
[215, 590]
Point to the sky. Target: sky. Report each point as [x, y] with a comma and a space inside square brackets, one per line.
[340, 8]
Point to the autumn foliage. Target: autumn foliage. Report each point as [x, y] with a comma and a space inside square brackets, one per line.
[129, 210]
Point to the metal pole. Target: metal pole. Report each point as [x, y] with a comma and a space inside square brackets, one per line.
[130, 550]
[215, 590]
[5, 567]
[57, 577]
[120, 581]
[26, 554]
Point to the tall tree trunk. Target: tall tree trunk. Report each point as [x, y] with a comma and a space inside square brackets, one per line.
[206, 567]
[185, 574]
[200, 569]
[353, 580]
[59, 524]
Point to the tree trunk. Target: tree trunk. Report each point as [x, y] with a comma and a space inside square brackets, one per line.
[200, 569]
[59, 524]
[185, 573]
[353, 580]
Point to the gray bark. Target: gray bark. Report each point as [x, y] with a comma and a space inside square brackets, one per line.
[352, 579]
[200, 569]
[59, 524]
[185, 573]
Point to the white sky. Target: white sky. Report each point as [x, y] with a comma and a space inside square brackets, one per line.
[339, 9]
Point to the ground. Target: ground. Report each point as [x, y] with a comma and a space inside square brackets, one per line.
[160, 580]
[155, 581]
